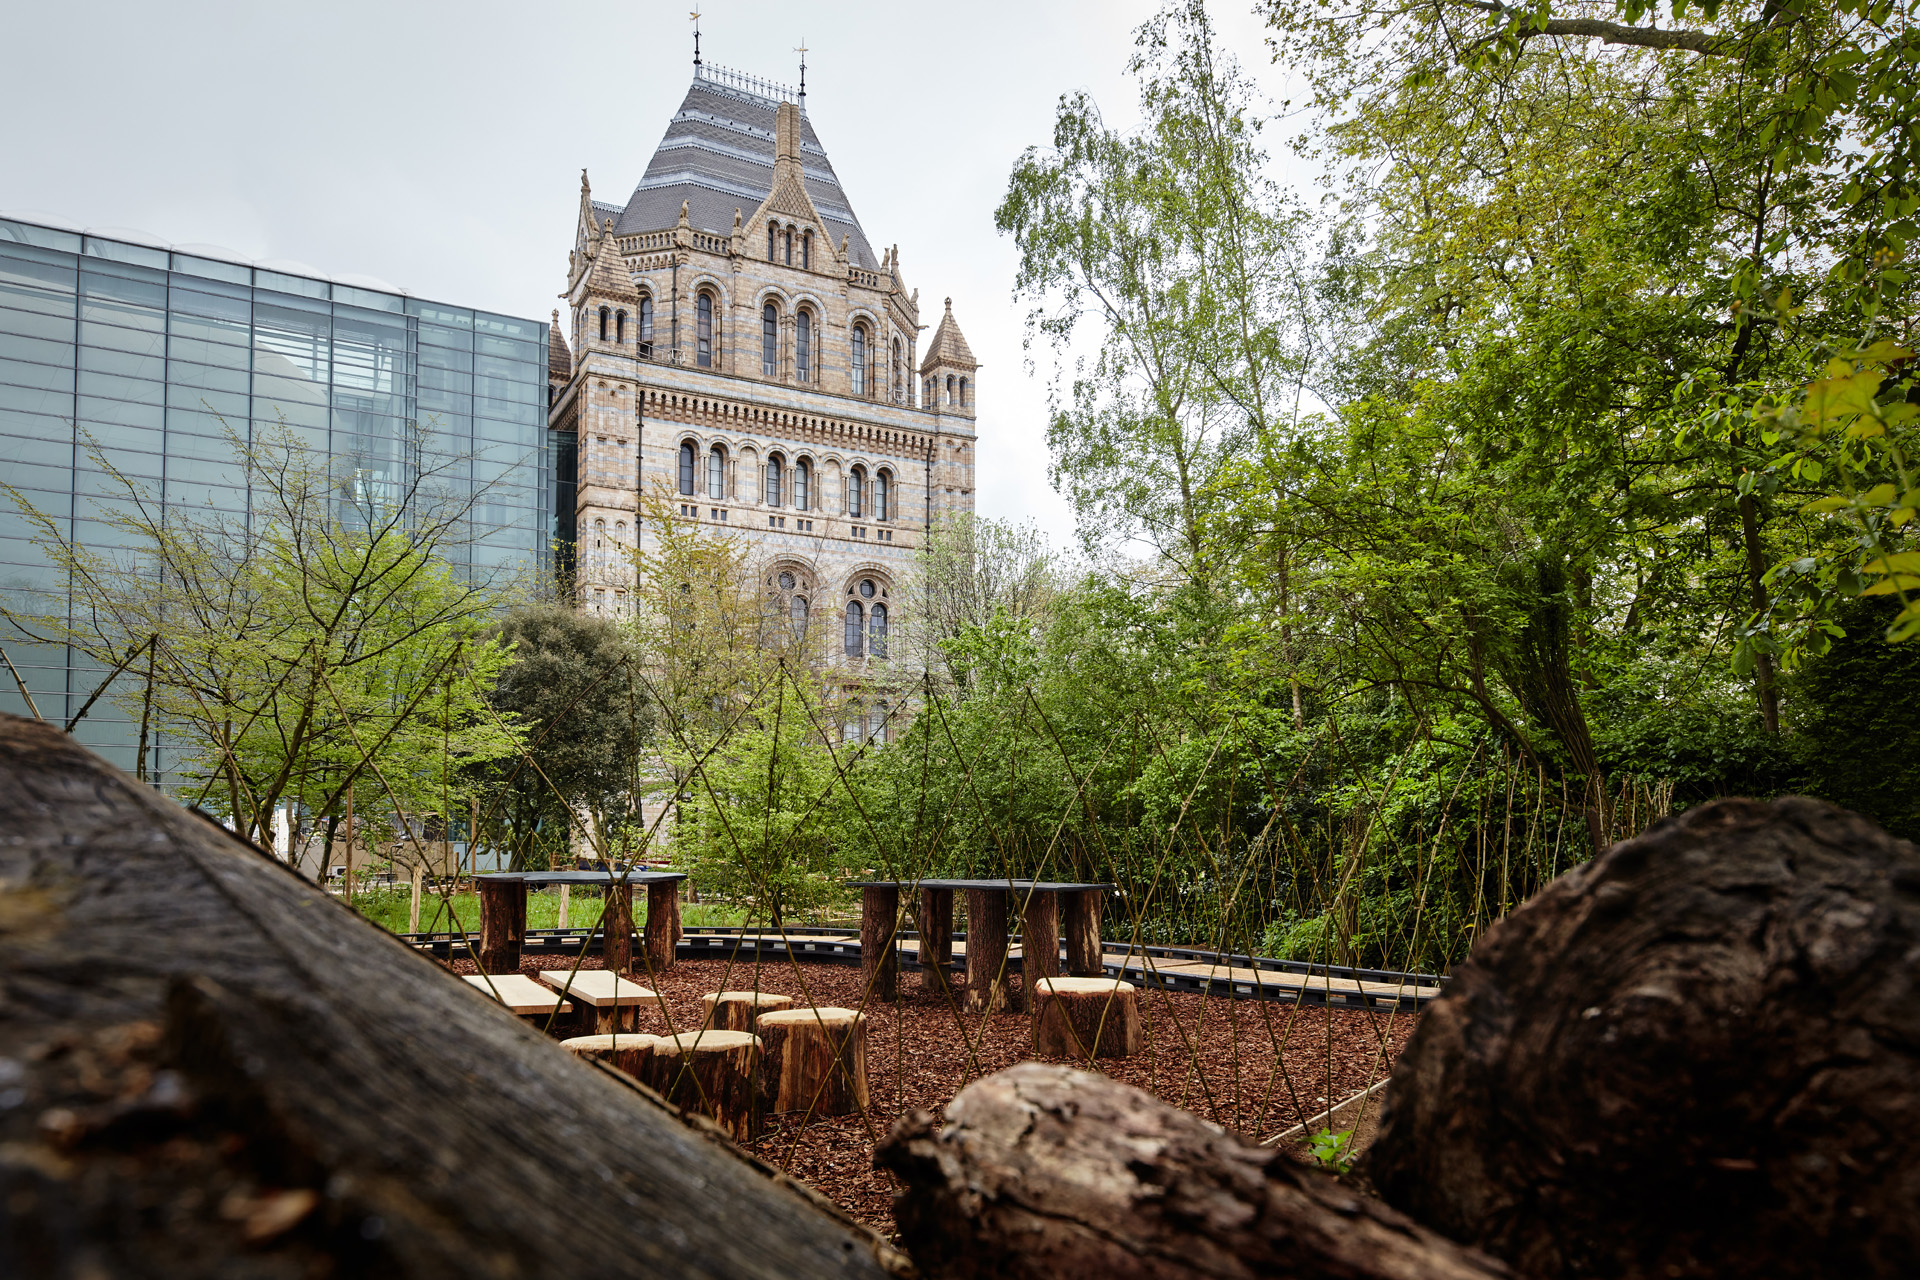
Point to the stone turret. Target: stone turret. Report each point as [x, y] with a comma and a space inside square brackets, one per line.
[948, 374]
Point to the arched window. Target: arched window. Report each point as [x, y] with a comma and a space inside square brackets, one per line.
[686, 467]
[963, 393]
[769, 340]
[802, 484]
[646, 320]
[949, 388]
[717, 473]
[856, 628]
[857, 366]
[802, 346]
[797, 616]
[806, 250]
[772, 236]
[899, 388]
[877, 631]
[703, 331]
[599, 533]
[605, 316]
[620, 531]
[856, 486]
[881, 492]
[774, 466]
[620, 325]
[880, 723]
[855, 727]
[789, 246]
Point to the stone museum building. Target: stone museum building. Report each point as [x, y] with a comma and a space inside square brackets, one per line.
[733, 340]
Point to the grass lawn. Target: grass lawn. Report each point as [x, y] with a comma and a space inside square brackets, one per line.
[388, 909]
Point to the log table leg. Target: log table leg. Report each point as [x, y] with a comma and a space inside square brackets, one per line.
[663, 919]
[503, 923]
[1085, 1018]
[814, 1060]
[987, 950]
[1040, 941]
[617, 950]
[936, 938]
[715, 1073]
[879, 953]
[1083, 932]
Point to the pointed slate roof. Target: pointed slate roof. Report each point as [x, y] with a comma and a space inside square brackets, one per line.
[948, 345]
[717, 156]
[559, 355]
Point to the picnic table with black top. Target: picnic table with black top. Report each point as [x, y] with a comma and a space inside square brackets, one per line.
[503, 915]
[1042, 904]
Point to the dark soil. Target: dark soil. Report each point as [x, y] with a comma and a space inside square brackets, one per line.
[1255, 1067]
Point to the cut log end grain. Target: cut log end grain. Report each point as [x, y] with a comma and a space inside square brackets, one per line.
[625, 1052]
[814, 1060]
[1044, 1171]
[1085, 1018]
[1698, 1054]
[737, 1010]
[711, 1073]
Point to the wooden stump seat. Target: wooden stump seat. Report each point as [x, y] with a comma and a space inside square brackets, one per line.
[711, 1072]
[626, 1052]
[737, 1010]
[1085, 1018]
[814, 1059]
[607, 1002]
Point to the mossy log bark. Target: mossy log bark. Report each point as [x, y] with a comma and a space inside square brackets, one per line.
[1043, 1171]
[224, 1072]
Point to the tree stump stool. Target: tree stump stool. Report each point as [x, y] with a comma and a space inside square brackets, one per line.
[625, 1052]
[814, 1059]
[737, 1010]
[1085, 1018]
[714, 1073]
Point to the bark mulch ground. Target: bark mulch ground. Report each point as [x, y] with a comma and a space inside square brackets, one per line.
[1254, 1067]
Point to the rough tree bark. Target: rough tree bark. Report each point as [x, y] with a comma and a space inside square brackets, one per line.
[1697, 1055]
[709, 1073]
[617, 922]
[503, 923]
[987, 990]
[739, 1010]
[814, 1059]
[663, 924]
[1085, 1018]
[1039, 939]
[936, 938]
[224, 1072]
[879, 947]
[1083, 932]
[1045, 1171]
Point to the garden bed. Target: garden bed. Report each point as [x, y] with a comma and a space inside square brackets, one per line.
[1256, 1067]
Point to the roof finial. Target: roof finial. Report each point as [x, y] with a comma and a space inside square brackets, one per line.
[802, 51]
[694, 17]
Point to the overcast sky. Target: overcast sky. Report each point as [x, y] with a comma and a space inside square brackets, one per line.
[438, 146]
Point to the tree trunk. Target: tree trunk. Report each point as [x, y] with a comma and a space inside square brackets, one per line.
[663, 920]
[1040, 939]
[936, 938]
[987, 951]
[1083, 932]
[1765, 688]
[1044, 1171]
[413, 907]
[1085, 1018]
[709, 1073]
[739, 1010]
[626, 1053]
[503, 923]
[814, 1060]
[879, 952]
[1694, 1055]
[229, 1075]
[617, 947]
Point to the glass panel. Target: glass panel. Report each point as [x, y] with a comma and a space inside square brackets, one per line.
[856, 626]
[34, 351]
[50, 451]
[36, 400]
[534, 331]
[33, 269]
[55, 322]
[112, 337]
[50, 377]
[213, 269]
[45, 237]
[94, 411]
[300, 285]
[118, 251]
[124, 364]
[368, 298]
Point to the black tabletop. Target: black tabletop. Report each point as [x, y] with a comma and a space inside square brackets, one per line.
[587, 877]
[1017, 886]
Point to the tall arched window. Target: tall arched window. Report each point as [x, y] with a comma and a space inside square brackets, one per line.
[949, 388]
[963, 393]
[802, 484]
[806, 250]
[881, 492]
[703, 331]
[620, 325]
[880, 723]
[769, 340]
[605, 316]
[646, 320]
[857, 366]
[797, 616]
[899, 390]
[686, 467]
[773, 234]
[789, 246]
[877, 631]
[717, 473]
[774, 467]
[802, 346]
[620, 531]
[599, 533]
[856, 485]
[856, 628]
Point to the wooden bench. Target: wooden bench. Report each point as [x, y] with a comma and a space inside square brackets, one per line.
[519, 993]
[609, 1002]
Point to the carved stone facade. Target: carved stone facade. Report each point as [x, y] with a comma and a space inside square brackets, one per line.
[736, 344]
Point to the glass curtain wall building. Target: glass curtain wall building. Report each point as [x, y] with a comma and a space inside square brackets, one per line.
[154, 353]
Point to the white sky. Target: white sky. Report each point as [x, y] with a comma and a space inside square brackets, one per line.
[438, 146]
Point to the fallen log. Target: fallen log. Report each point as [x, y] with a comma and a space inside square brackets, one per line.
[1697, 1055]
[1044, 1171]
[211, 1068]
